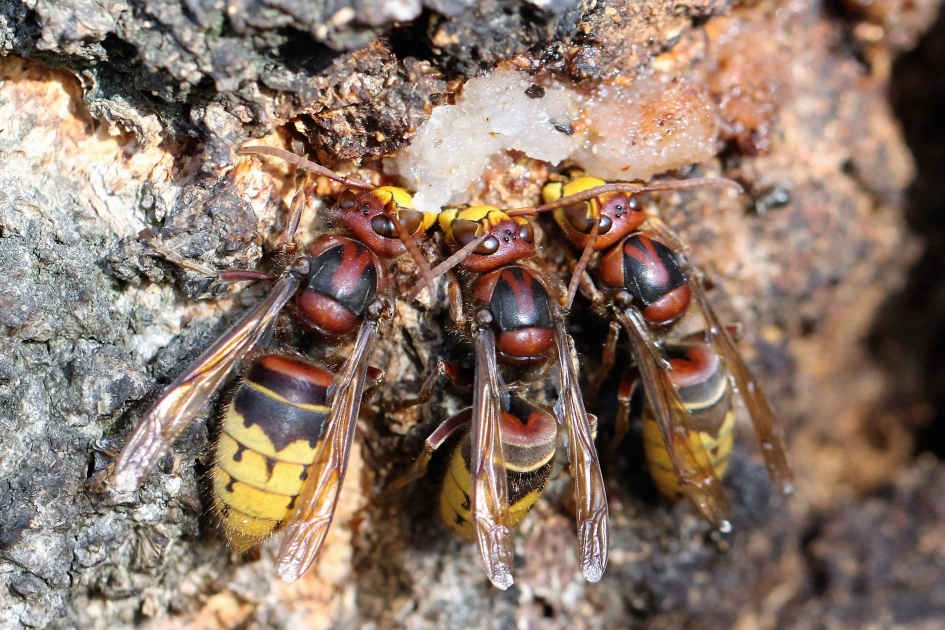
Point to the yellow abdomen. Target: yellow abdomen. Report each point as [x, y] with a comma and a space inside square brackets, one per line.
[270, 433]
[717, 448]
[524, 490]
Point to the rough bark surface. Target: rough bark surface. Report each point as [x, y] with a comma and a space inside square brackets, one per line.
[117, 116]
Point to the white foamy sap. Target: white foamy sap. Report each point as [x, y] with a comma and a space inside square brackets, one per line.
[492, 114]
[618, 133]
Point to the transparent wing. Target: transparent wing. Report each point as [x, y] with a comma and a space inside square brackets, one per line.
[763, 418]
[699, 482]
[186, 396]
[590, 497]
[315, 505]
[769, 430]
[488, 495]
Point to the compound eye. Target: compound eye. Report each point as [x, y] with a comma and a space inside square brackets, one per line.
[576, 214]
[410, 219]
[347, 199]
[526, 232]
[489, 246]
[383, 226]
[464, 232]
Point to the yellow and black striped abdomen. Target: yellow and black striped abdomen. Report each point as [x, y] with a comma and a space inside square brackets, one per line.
[704, 389]
[528, 443]
[524, 491]
[270, 432]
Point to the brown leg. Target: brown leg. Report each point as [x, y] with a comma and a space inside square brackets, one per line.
[244, 275]
[420, 465]
[622, 421]
[455, 293]
[607, 362]
[423, 396]
[295, 216]
[577, 275]
[590, 290]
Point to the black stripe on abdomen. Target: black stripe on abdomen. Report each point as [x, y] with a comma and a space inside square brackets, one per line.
[282, 423]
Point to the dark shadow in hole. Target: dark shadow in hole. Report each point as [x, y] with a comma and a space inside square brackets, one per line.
[301, 52]
[909, 334]
[412, 40]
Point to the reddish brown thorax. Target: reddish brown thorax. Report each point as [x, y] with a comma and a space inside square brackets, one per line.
[522, 314]
[344, 279]
[651, 273]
